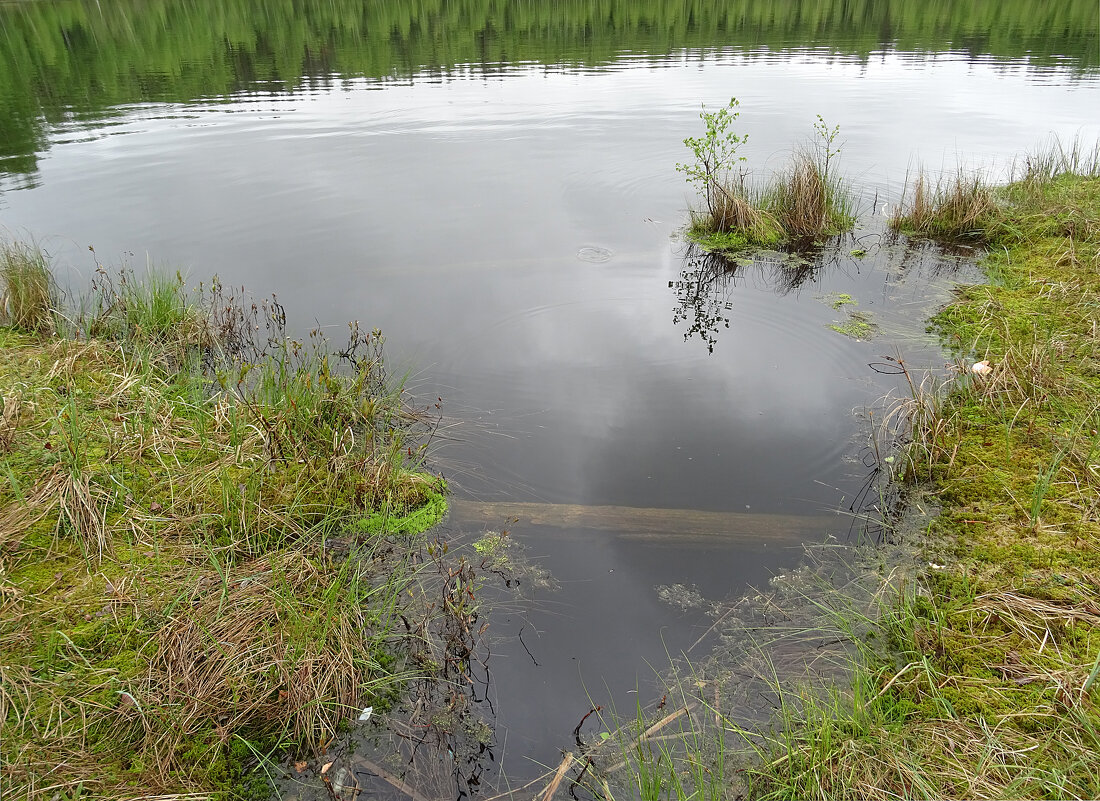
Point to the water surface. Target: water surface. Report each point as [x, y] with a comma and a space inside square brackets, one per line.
[493, 185]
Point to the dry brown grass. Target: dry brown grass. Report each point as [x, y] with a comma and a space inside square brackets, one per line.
[732, 209]
[800, 199]
[11, 410]
[239, 654]
[960, 206]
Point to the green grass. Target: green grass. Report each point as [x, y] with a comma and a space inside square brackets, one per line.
[976, 676]
[28, 295]
[203, 544]
[966, 205]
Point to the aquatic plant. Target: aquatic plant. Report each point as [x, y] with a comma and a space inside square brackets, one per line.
[959, 206]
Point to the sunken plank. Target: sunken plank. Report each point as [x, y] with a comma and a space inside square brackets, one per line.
[641, 523]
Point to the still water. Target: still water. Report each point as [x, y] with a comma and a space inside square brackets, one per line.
[493, 185]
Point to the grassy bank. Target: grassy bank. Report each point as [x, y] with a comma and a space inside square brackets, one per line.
[976, 673]
[991, 689]
[204, 530]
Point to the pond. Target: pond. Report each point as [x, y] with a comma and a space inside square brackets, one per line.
[493, 184]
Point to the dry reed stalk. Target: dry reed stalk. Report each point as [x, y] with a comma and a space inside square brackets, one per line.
[733, 211]
[10, 418]
[1028, 614]
[559, 774]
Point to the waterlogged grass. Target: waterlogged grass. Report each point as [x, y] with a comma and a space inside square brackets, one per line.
[990, 689]
[203, 544]
[979, 676]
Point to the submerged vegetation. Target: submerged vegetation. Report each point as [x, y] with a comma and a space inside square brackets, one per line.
[800, 205]
[203, 535]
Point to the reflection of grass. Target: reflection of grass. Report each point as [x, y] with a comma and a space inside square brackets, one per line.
[201, 552]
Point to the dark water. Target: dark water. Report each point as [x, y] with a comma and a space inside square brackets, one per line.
[493, 185]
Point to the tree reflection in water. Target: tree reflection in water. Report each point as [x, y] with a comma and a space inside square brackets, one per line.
[704, 291]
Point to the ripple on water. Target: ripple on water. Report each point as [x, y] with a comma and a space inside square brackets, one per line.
[593, 254]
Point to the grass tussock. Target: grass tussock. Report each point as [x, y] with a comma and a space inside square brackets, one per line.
[960, 206]
[800, 206]
[28, 295]
[967, 205]
[734, 219]
[807, 202]
[202, 540]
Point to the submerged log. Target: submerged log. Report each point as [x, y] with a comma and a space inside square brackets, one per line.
[655, 524]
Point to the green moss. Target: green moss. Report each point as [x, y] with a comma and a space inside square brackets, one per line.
[430, 510]
[736, 241]
[838, 300]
